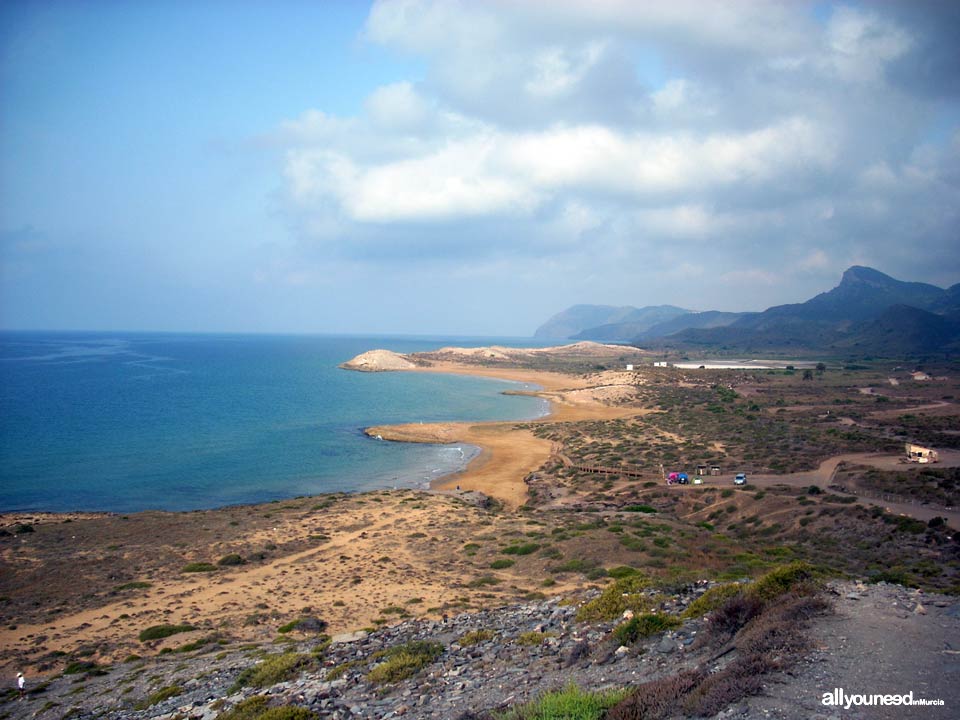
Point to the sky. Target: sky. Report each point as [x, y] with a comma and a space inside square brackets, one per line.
[465, 167]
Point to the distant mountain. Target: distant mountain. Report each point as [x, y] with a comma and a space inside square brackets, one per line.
[868, 312]
[708, 319]
[904, 330]
[572, 322]
[862, 293]
[636, 322]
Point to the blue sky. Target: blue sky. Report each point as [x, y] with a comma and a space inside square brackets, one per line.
[464, 167]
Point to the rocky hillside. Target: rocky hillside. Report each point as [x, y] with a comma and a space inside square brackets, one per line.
[696, 652]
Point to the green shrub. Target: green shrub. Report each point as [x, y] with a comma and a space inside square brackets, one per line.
[250, 709]
[532, 638]
[781, 580]
[197, 567]
[232, 559]
[570, 703]
[137, 585]
[622, 594]
[159, 696]
[197, 644]
[275, 669]
[158, 632]
[712, 599]
[79, 666]
[255, 708]
[475, 637]
[288, 713]
[340, 670]
[404, 661]
[640, 508]
[622, 571]
[502, 564]
[642, 626]
[523, 549]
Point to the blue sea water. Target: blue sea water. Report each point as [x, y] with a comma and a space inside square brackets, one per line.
[124, 422]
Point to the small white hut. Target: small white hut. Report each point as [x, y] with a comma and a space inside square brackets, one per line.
[920, 454]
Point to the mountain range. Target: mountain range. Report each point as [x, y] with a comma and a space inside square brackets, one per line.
[868, 313]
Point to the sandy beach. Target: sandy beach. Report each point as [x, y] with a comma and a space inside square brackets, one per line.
[509, 453]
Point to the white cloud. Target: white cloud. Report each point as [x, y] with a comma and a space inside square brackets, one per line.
[495, 172]
[397, 107]
[862, 43]
[610, 137]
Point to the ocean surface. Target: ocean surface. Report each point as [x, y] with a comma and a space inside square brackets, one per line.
[125, 422]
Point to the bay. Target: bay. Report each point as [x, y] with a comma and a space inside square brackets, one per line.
[134, 421]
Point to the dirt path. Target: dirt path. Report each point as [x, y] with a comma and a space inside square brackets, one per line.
[822, 476]
[882, 639]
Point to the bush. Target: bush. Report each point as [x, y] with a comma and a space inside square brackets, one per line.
[782, 579]
[639, 508]
[273, 670]
[196, 567]
[232, 559]
[137, 585]
[643, 626]
[158, 632]
[475, 637]
[502, 564]
[255, 708]
[656, 698]
[712, 599]
[524, 549]
[622, 594]
[159, 696]
[288, 713]
[571, 703]
[405, 661]
[80, 666]
[622, 571]
[532, 638]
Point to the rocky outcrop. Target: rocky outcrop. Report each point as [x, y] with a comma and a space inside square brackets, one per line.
[379, 361]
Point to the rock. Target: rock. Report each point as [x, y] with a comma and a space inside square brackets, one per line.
[666, 646]
[378, 361]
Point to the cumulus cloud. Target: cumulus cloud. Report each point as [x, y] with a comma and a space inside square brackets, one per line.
[609, 138]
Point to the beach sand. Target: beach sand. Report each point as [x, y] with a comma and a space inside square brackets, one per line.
[509, 452]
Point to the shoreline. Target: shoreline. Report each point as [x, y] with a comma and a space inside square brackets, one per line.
[508, 454]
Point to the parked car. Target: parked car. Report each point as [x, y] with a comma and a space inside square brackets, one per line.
[740, 479]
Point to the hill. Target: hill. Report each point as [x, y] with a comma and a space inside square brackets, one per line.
[868, 312]
[605, 323]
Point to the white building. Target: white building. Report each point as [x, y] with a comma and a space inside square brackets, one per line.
[920, 454]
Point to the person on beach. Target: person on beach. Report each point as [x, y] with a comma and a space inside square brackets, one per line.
[21, 681]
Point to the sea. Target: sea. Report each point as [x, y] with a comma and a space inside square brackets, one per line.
[124, 422]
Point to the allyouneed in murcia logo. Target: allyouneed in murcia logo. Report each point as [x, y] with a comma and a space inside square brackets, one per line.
[840, 698]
